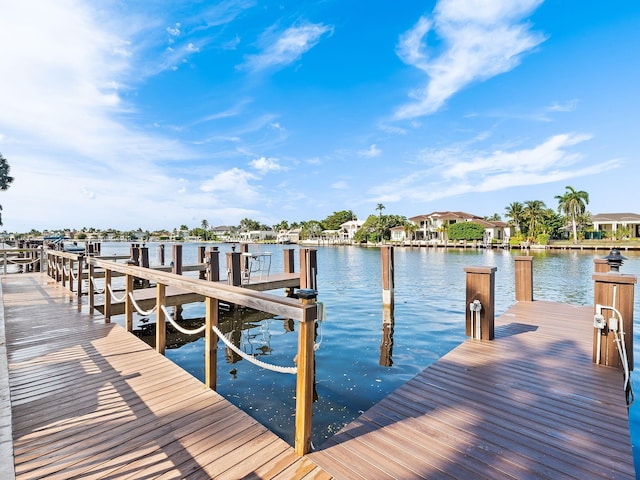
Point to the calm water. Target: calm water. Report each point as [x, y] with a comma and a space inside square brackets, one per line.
[358, 363]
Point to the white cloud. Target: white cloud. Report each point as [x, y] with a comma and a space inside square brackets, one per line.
[481, 39]
[265, 165]
[340, 185]
[455, 170]
[174, 31]
[371, 152]
[568, 106]
[234, 183]
[281, 49]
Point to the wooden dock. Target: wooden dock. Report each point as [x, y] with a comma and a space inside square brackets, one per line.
[146, 297]
[528, 405]
[90, 400]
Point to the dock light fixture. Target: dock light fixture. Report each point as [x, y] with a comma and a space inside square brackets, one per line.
[615, 260]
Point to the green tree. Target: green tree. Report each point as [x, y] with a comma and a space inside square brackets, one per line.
[534, 215]
[311, 229]
[205, 230]
[5, 179]
[247, 225]
[368, 232]
[573, 204]
[515, 214]
[410, 230]
[336, 219]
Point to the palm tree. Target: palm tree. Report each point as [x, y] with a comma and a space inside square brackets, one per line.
[205, 228]
[515, 212]
[5, 179]
[573, 204]
[379, 208]
[410, 230]
[534, 214]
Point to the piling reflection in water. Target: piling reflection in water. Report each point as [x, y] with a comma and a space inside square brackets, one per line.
[386, 345]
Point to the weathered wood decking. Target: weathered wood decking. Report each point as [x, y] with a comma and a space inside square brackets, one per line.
[528, 405]
[90, 400]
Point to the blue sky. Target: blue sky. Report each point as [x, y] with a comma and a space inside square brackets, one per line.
[155, 114]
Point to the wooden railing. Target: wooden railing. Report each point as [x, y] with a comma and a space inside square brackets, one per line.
[27, 258]
[69, 268]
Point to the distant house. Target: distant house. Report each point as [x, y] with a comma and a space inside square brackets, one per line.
[611, 223]
[398, 234]
[289, 236]
[350, 228]
[257, 235]
[432, 227]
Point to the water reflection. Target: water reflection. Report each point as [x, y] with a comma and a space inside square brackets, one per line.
[386, 345]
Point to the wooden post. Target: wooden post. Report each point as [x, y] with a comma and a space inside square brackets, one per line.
[289, 267]
[481, 286]
[244, 248]
[387, 261]
[201, 254]
[176, 255]
[128, 304]
[64, 276]
[161, 254]
[79, 284]
[608, 285]
[161, 328]
[5, 262]
[135, 254]
[213, 261]
[524, 278]
[144, 257]
[305, 374]
[211, 343]
[234, 275]
[71, 267]
[91, 292]
[308, 268]
[107, 296]
[600, 265]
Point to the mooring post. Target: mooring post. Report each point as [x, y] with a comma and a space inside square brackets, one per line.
[234, 274]
[613, 294]
[201, 255]
[161, 327]
[144, 262]
[289, 267]
[524, 278]
[211, 343]
[244, 249]
[135, 253]
[600, 265]
[176, 255]
[212, 258]
[305, 372]
[387, 261]
[480, 296]
[161, 254]
[308, 268]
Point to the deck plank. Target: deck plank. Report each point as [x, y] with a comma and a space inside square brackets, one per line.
[93, 401]
[530, 404]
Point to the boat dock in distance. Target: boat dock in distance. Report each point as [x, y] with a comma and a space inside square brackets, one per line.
[538, 392]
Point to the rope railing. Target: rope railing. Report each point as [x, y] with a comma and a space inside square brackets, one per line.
[113, 295]
[181, 329]
[139, 309]
[23, 261]
[251, 358]
[96, 289]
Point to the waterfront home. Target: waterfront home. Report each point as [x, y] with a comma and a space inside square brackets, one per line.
[627, 224]
[289, 236]
[432, 227]
[350, 228]
[257, 235]
[398, 234]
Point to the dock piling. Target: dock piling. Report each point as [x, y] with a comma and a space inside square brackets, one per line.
[387, 261]
[524, 278]
[480, 288]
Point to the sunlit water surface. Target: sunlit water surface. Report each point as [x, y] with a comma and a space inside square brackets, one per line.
[358, 362]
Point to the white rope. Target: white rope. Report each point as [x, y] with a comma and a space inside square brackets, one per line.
[142, 312]
[113, 295]
[251, 358]
[74, 273]
[178, 327]
[23, 261]
[96, 290]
